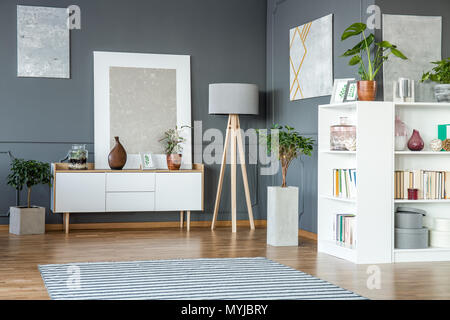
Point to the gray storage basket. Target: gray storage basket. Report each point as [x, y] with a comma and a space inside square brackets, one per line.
[411, 238]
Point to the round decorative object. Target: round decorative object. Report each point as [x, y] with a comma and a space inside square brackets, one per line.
[415, 143]
[118, 156]
[436, 145]
[446, 144]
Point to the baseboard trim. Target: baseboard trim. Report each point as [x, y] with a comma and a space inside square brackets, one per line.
[156, 225]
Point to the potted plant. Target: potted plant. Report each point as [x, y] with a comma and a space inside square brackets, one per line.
[441, 75]
[29, 219]
[282, 202]
[375, 54]
[172, 147]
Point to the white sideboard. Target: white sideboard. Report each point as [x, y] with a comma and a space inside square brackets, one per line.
[94, 190]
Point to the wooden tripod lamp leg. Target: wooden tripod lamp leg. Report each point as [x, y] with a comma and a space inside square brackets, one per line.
[233, 173]
[221, 175]
[244, 175]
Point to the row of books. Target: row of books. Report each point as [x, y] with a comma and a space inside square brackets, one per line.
[431, 185]
[344, 183]
[344, 229]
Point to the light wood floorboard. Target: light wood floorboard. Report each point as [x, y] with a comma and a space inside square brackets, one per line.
[20, 255]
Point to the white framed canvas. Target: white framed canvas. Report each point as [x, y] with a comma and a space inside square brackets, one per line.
[311, 59]
[147, 161]
[340, 90]
[138, 96]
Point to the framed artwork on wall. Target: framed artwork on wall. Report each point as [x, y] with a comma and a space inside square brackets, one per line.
[311, 59]
[137, 97]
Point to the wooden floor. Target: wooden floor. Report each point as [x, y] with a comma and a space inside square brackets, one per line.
[20, 255]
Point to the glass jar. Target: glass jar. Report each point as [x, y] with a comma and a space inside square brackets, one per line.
[401, 135]
[78, 156]
[343, 136]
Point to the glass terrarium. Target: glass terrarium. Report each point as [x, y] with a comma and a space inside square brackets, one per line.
[78, 156]
[343, 136]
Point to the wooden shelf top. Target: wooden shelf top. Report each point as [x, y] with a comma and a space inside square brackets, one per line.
[64, 167]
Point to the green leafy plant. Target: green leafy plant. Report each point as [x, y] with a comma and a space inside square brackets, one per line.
[376, 53]
[290, 146]
[29, 173]
[440, 73]
[172, 140]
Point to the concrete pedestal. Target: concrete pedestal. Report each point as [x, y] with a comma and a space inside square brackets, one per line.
[27, 220]
[282, 216]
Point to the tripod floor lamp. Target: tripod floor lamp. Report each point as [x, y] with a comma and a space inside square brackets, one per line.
[233, 99]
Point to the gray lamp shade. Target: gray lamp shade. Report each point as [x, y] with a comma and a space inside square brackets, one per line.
[233, 98]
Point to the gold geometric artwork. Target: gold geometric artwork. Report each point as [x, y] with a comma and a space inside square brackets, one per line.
[311, 59]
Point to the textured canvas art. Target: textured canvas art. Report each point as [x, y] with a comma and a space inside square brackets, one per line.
[311, 59]
[142, 106]
[43, 42]
[419, 38]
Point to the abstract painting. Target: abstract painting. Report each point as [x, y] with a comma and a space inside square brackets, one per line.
[43, 42]
[311, 59]
[419, 38]
[137, 97]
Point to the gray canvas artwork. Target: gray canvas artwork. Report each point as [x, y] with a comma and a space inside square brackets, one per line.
[419, 38]
[311, 59]
[143, 106]
[43, 42]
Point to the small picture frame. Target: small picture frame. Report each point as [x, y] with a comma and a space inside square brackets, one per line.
[147, 162]
[340, 90]
[351, 92]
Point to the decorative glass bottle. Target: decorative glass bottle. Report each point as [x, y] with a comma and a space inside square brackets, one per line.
[78, 156]
[415, 143]
[343, 136]
[401, 135]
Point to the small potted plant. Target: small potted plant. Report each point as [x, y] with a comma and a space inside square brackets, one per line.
[29, 219]
[441, 75]
[172, 146]
[375, 54]
[282, 202]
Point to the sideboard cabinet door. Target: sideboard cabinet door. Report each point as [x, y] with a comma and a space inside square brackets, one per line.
[178, 191]
[79, 192]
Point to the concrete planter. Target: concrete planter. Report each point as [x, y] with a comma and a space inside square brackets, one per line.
[282, 216]
[27, 220]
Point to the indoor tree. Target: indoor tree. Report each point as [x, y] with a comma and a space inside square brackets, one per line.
[28, 173]
[290, 146]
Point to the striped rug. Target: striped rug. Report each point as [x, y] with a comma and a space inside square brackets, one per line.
[203, 279]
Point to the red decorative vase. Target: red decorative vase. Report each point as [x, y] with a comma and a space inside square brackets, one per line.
[415, 143]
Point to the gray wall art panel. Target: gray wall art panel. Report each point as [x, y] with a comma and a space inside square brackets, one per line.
[419, 38]
[43, 42]
[142, 107]
[311, 59]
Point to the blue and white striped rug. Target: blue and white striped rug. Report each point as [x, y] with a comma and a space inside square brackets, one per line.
[203, 279]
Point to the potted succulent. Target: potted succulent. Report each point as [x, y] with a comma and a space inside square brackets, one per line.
[441, 75]
[172, 147]
[375, 54]
[28, 219]
[282, 202]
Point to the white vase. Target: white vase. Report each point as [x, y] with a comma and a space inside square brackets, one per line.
[282, 216]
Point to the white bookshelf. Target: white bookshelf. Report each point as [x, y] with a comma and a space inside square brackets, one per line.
[375, 161]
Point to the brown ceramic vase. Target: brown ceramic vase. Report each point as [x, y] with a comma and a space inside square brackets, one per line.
[367, 90]
[118, 156]
[174, 161]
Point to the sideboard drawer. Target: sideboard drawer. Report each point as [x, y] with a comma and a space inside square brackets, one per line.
[130, 201]
[139, 182]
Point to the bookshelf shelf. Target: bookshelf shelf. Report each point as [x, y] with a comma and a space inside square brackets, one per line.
[348, 200]
[376, 162]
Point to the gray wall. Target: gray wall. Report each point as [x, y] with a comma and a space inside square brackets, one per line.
[41, 118]
[283, 15]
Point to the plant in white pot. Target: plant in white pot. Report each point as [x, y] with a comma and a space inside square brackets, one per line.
[282, 202]
[441, 75]
[28, 219]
